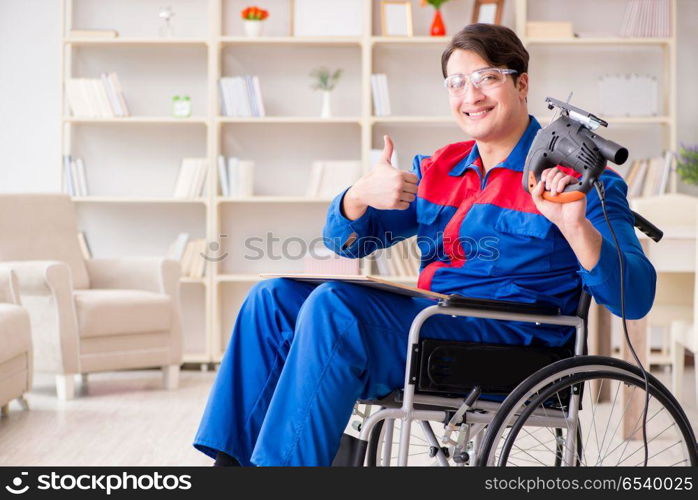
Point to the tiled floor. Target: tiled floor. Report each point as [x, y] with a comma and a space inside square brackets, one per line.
[127, 418]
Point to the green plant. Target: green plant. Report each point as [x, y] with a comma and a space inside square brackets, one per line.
[687, 164]
[435, 3]
[324, 78]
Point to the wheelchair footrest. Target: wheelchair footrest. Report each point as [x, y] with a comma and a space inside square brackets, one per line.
[454, 367]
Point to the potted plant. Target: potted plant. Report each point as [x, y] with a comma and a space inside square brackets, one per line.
[326, 81]
[438, 28]
[687, 164]
[253, 18]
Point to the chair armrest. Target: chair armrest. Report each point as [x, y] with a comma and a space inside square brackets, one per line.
[456, 300]
[155, 274]
[41, 277]
[9, 288]
[46, 288]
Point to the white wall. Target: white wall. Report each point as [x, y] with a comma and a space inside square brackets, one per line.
[29, 95]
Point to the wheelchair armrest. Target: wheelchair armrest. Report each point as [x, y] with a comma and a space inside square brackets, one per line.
[456, 300]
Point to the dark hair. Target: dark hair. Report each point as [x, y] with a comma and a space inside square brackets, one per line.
[498, 45]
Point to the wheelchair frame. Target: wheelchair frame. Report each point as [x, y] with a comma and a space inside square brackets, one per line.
[407, 412]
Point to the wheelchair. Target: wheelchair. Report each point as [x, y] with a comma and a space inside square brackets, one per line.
[541, 406]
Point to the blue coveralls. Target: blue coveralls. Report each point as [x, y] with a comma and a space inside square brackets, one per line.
[300, 355]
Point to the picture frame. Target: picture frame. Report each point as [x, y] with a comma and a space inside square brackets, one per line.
[323, 18]
[488, 11]
[396, 18]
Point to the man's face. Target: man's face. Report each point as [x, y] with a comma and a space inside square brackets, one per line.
[503, 105]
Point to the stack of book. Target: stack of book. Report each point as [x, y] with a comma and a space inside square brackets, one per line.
[236, 177]
[400, 260]
[241, 96]
[328, 178]
[647, 18]
[96, 97]
[650, 177]
[191, 179]
[74, 178]
[381, 98]
[190, 253]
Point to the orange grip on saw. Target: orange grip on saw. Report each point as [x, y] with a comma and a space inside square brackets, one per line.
[558, 198]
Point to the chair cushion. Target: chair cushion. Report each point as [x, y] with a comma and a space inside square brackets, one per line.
[108, 312]
[15, 331]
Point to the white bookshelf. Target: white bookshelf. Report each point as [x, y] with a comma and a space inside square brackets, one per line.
[132, 162]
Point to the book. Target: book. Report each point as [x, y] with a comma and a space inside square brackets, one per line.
[640, 179]
[241, 96]
[112, 95]
[666, 172]
[176, 249]
[328, 178]
[245, 178]
[223, 179]
[116, 84]
[646, 18]
[651, 182]
[96, 97]
[379, 91]
[631, 174]
[84, 247]
[367, 280]
[67, 176]
[191, 178]
[81, 177]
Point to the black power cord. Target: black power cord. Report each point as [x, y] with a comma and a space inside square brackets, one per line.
[602, 196]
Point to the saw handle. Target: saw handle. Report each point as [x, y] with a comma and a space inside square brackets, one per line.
[571, 192]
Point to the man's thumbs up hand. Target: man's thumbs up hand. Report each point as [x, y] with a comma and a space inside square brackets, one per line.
[384, 187]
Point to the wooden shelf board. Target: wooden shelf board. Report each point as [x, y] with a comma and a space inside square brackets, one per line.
[272, 199]
[190, 280]
[413, 119]
[290, 119]
[238, 278]
[124, 199]
[597, 41]
[410, 40]
[138, 119]
[290, 40]
[135, 41]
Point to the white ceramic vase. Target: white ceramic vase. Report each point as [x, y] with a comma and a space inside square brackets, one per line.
[326, 104]
[253, 28]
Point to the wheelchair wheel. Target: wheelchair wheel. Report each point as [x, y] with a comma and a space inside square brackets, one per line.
[609, 433]
[380, 453]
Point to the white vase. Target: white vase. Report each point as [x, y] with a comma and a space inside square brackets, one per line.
[326, 106]
[252, 27]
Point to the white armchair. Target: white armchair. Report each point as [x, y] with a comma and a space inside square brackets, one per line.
[88, 315]
[15, 344]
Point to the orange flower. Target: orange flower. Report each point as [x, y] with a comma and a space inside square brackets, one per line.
[254, 13]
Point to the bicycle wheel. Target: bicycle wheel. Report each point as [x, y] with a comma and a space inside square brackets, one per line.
[610, 431]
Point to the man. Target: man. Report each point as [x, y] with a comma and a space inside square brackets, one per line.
[300, 355]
